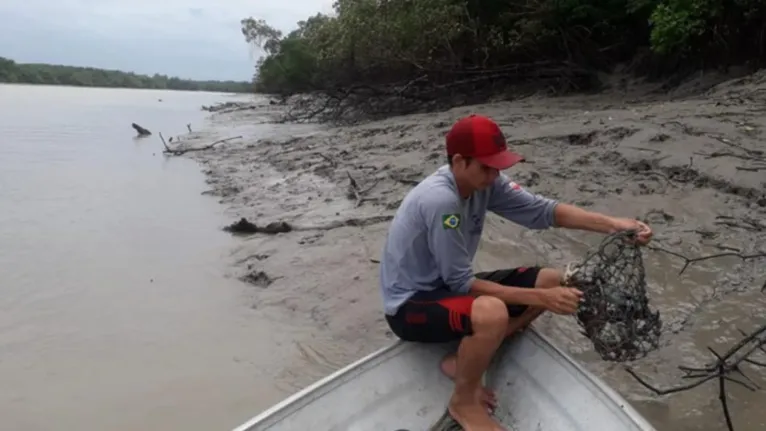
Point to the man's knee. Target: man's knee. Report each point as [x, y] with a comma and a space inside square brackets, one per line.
[489, 314]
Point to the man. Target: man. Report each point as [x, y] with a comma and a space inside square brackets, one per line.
[429, 291]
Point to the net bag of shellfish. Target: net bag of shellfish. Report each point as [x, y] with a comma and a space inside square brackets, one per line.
[615, 313]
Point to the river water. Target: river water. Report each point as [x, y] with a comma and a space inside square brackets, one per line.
[115, 309]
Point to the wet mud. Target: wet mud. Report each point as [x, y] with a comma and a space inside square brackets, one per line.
[693, 167]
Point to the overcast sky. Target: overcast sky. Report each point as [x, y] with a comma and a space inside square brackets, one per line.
[198, 39]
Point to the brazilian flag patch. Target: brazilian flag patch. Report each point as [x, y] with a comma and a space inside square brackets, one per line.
[450, 221]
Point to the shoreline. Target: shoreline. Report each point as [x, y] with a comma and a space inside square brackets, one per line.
[692, 168]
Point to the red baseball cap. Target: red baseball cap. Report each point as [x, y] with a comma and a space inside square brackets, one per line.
[480, 138]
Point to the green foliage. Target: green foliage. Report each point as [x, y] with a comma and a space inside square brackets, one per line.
[674, 27]
[712, 30]
[12, 72]
[368, 42]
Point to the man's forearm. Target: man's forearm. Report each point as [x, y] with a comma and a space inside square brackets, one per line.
[572, 217]
[508, 294]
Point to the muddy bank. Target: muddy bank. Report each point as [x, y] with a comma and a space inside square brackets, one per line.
[694, 168]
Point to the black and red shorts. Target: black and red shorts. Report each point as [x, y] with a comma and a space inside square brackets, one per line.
[441, 315]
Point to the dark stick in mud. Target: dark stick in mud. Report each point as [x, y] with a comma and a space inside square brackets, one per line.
[355, 193]
[689, 261]
[721, 369]
[354, 190]
[749, 224]
[329, 159]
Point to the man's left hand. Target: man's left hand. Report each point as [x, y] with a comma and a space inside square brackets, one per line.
[643, 230]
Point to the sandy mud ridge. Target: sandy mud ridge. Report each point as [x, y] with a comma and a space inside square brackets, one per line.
[694, 168]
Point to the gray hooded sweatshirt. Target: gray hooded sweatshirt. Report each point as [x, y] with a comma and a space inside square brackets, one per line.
[433, 238]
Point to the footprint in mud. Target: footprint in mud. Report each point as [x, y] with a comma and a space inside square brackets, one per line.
[620, 133]
[311, 239]
[440, 124]
[530, 179]
[644, 190]
[582, 138]
[658, 216]
[583, 160]
[259, 278]
[407, 145]
[258, 257]
[613, 134]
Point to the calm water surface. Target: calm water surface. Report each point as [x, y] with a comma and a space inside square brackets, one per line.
[115, 312]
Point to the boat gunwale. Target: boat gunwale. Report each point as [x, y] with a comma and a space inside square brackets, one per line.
[610, 393]
[315, 389]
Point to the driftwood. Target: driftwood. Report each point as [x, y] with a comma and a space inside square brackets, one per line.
[178, 152]
[140, 130]
[726, 364]
[721, 370]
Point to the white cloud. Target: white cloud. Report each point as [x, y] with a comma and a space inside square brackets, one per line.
[191, 38]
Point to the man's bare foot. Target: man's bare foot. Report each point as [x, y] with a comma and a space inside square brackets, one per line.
[471, 415]
[485, 395]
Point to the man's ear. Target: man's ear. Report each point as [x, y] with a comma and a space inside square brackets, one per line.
[459, 159]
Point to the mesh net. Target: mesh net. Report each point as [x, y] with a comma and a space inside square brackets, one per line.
[615, 313]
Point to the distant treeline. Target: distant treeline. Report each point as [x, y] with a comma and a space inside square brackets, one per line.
[51, 74]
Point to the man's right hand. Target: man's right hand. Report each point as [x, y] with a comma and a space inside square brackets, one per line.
[561, 300]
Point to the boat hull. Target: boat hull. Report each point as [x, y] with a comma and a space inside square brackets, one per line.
[400, 387]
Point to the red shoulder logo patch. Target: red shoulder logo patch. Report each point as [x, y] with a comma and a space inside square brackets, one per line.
[512, 185]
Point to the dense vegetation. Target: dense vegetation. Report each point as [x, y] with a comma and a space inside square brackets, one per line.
[12, 72]
[422, 51]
